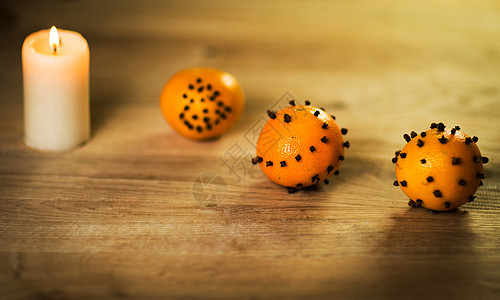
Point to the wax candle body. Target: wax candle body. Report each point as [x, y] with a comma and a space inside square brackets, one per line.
[56, 91]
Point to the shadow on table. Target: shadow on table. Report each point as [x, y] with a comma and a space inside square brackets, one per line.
[425, 254]
[105, 98]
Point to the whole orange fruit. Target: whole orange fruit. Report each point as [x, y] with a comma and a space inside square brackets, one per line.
[299, 146]
[202, 103]
[440, 168]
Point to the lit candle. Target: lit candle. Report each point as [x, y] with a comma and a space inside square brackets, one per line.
[56, 90]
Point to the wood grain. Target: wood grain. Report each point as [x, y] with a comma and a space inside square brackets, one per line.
[117, 218]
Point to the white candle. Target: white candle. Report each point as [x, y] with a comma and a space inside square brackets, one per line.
[56, 90]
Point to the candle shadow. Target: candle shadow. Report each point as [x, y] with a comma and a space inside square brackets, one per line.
[104, 101]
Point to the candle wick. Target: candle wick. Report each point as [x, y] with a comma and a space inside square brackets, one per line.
[57, 45]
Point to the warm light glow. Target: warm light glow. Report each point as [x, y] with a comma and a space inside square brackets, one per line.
[54, 39]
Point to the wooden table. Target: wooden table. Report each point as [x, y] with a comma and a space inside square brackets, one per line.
[120, 217]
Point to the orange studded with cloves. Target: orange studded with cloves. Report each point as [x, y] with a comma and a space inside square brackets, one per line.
[202, 103]
[440, 168]
[300, 146]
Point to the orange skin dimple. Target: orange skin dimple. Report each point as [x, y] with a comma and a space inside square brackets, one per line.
[280, 141]
[202, 103]
[446, 175]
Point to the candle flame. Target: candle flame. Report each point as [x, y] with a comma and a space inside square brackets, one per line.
[54, 39]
